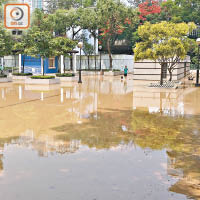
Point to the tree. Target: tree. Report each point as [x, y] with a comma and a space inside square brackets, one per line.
[113, 16]
[5, 42]
[149, 8]
[19, 47]
[42, 21]
[164, 42]
[59, 20]
[39, 44]
[62, 46]
[88, 49]
[90, 22]
[53, 5]
[189, 10]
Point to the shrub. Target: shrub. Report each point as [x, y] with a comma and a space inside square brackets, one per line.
[3, 76]
[65, 75]
[22, 74]
[116, 70]
[42, 77]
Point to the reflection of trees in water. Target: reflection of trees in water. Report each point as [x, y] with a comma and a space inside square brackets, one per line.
[3, 142]
[104, 132]
[180, 135]
[156, 131]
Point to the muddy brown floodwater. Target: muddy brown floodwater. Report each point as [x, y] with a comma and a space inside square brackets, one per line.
[104, 140]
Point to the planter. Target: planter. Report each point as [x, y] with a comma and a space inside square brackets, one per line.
[20, 77]
[5, 80]
[68, 79]
[113, 73]
[42, 81]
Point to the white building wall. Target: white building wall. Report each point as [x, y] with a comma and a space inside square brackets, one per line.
[149, 70]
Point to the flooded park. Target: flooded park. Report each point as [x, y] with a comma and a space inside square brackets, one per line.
[106, 139]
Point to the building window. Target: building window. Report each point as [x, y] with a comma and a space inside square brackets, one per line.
[52, 63]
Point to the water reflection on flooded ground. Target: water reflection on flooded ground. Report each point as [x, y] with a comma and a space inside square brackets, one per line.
[106, 139]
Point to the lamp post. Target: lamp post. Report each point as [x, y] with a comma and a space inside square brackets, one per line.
[80, 45]
[197, 76]
[42, 41]
[100, 48]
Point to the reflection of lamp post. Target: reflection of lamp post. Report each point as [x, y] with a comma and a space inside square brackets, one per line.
[197, 78]
[100, 48]
[80, 45]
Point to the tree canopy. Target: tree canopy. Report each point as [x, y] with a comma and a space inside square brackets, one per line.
[164, 42]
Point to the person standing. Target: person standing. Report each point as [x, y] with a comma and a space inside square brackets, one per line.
[125, 72]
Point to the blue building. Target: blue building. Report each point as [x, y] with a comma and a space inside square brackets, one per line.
[33, 65]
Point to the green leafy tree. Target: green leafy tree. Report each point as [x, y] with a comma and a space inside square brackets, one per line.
[90, 22]
[74, 21]
[53, 5]
[189, 10]
[165, 42]
[42, 21]
[39, 44]
[113, 18]
[59, 20]
[62, 46]
[5, 42]
[88, 49]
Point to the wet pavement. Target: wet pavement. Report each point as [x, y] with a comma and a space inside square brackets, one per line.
[106, 139]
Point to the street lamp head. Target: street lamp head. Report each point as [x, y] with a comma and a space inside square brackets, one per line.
[100, 47]
[80, 45]
[198, 41]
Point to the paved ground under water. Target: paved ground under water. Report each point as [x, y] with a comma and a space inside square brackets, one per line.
[104, 140]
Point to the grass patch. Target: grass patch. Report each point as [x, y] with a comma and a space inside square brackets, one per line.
[66, 75]
[42, 77]
[3, 76]
[22, 74]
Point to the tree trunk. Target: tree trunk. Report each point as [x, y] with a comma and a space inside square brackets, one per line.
[161, 75]
[109, 52]
[15, 62]
[71, 62]
[95, 58]
[170, 75]
[88, 61]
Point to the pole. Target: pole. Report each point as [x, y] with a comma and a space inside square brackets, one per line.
[20, 63]
[197, 78]
[100, 60]
[62, 64]
[80, 81]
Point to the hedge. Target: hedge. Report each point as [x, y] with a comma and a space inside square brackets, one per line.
[3, 76]
[42, 77]
[65, 75]
[22, 74]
